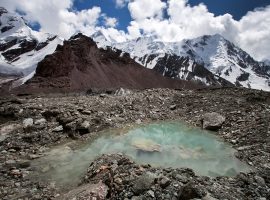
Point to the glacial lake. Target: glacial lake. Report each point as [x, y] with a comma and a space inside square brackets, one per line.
[162, 144]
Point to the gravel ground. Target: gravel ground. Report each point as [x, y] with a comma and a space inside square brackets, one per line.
[32, 125]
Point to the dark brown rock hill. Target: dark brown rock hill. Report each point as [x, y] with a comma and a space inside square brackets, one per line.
[79, 64]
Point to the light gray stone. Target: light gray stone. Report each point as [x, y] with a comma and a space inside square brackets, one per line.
[212, 121]
[58, 129]
[28, 122]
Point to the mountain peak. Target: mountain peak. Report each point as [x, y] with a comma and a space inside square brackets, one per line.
[21, 48]
[78, 65]
[12, 25]
[148, 38]
[98, 33]
[217, 35]
[3, 10]
[216, 38]
[78, 36]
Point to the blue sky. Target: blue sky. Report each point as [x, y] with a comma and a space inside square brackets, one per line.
[108, 7]
[237, 8]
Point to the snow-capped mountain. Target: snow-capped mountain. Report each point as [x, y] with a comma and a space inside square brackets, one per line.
[265, 65]
[103, 39]
[21, 48]
[79, 65]
[210, 59]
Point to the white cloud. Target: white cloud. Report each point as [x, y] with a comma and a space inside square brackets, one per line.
[251, 32]
[58, 16]
[184, 21]
[254, 33]
[121, 3]
[110, 21]
[134, 29]
[142, 9]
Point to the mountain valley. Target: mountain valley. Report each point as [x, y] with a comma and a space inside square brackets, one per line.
[92, 118]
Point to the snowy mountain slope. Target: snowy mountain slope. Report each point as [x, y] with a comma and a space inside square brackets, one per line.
[21, 48]
[212, 60]
[102, 39]
[265, 66]
[224, 59]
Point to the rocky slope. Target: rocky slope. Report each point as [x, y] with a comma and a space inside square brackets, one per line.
[21, 48]
[212, 60]
[80, 65]
[32, 125]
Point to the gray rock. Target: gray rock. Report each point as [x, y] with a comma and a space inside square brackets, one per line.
[28, 122]
[83, 128]
[181, 178]
[41, 121]
[151, 193]
[259, 180]
[165, 182]
[102, 95]
[212, 121]
[191, 191]
[172, 107]
[17, 184]
[58, 129]
[15, 172]
[71, 126]
[33, 156]
[142, 184]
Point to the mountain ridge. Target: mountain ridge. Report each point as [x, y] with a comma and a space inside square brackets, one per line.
[227, 62]
[79, 65]
[210, 60]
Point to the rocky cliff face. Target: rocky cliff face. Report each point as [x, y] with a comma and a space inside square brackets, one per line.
[184, 68]
[79, 64]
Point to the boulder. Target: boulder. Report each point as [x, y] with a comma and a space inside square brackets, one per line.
[28, 122]
[83, 128]
[172, 107]
[165, 182]
[146, 145]
[191, 191]
[212, 121]
[41, 121]
[142, 184]
[58, 129]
